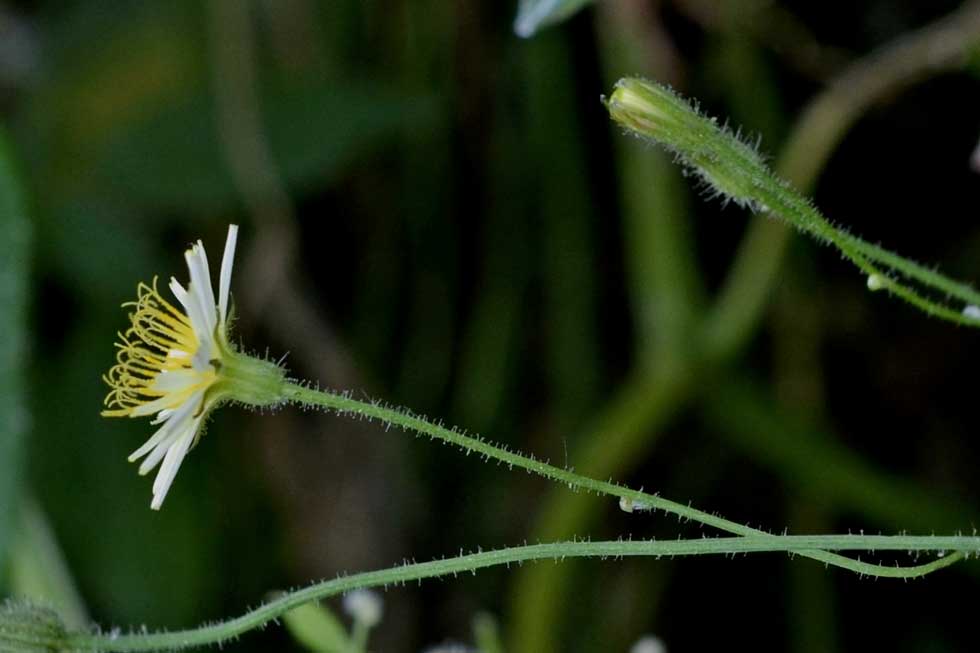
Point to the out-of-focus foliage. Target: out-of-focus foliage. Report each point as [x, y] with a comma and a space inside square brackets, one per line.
[317, 629]
[14, 257]
[464, 233]
[314, 131]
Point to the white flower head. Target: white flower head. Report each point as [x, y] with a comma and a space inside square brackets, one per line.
[178, 364]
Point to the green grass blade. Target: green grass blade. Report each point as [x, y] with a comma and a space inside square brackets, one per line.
[13, 318]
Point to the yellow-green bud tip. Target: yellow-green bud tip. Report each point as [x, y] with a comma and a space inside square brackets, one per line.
[641, 106]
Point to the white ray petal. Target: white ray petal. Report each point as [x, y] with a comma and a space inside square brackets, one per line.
[162, 416]
[203, 271]
[197, 313]
[168, 470]
[200, 286]
[174, 418]
[227, 260]
[162, 433]
[159, 451]
[179, 292]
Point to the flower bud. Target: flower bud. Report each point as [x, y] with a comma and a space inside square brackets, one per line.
[732, 168]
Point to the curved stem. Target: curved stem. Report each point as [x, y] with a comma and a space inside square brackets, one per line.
[941, 46]
[631, 421]
[736, 171]
[345, 405]
[223, 631]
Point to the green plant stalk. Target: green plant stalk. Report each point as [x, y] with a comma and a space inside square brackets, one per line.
[628, 423]
[38, 568]
[15, 255]
[625, 427]
[810, 460]
[345, 405]
[621, 434]
[223, 631]
[359, 638]
[666, 299]
[941, 46]
[666, 291]
[735, 171]
[564, 205]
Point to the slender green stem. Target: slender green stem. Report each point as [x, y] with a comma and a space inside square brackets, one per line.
[801, 544]
[949, 549]
[736, 172]
[616, 438]
[632, 420]
[914, 270]
[346, 405]
[941, 46]
[15, 275]
[359, 637]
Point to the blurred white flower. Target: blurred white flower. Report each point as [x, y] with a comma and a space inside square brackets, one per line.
[648, 644]
[364, 606]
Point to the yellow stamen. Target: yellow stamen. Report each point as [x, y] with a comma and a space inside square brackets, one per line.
[160, 339]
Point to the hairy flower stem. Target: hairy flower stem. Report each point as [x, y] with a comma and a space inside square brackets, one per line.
[23, 631]
[346, 405]
[223, 631]
[734, 171]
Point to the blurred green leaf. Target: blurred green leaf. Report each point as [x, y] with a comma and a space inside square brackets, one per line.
[487, 634]
[563, 201]
[813, 462]
[162, 567]
[173, 159]
[104, 73]
[13, 317]
[39, 570]
[316, 628]
[532, 15]
[128, 250]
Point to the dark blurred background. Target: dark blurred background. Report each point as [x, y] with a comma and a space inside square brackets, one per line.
[438, 213]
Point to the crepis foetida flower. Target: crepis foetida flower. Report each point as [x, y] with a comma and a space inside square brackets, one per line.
[176, 363]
